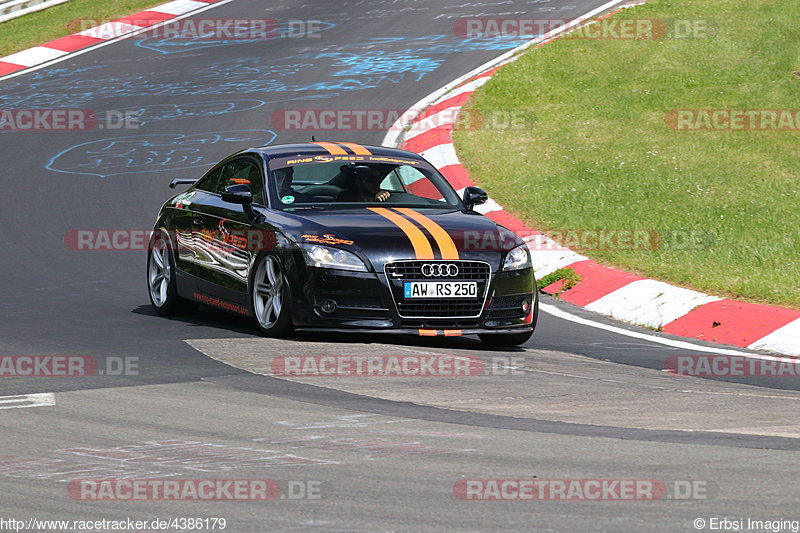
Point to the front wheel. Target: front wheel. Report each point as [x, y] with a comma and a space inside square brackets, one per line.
[269, 297]
[161, 281]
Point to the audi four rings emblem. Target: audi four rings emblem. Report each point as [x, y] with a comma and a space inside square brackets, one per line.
[439, 270]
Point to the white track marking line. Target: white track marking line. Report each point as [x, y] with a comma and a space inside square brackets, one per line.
[555, 311]
[112, 41]
[27, 400]
[469, 87]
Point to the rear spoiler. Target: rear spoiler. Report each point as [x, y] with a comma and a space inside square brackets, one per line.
[181, 181]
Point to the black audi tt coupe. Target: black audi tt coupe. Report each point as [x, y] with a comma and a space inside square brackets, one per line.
[341, 237]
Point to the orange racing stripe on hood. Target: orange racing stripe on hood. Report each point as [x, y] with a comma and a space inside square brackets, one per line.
[443, 239]
[422, 248]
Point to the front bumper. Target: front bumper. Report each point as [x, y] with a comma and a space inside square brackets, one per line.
[417, 332]
[368, 302]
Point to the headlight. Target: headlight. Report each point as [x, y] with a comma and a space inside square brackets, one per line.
[518, 258]
[323, 256]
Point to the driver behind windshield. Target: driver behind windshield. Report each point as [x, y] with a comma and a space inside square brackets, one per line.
[283, 185]
[364, 183]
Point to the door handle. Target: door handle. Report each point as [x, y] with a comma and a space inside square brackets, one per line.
[197, 221]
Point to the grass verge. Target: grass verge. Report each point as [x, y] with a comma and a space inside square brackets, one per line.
[64, 19]
[599, 153]
[566, 276]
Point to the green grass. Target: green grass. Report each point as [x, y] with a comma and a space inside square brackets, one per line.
[568, 275]
[599, 155]
[64, 19]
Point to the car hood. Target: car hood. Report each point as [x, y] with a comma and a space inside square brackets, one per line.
[387, 235]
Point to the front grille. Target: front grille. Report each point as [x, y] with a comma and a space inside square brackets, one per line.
[401, 271]
[440, 323]
[412, 270]
[441, 308]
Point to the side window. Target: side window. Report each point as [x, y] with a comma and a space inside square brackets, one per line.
[209, 181]
[242, 172]
[238, 172]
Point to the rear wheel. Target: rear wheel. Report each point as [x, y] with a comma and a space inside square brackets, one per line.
[161, 283]
[269, 296]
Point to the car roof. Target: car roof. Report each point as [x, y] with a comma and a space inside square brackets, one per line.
[328, 148]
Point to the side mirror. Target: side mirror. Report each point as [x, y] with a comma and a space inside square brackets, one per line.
[238, 194]
[181, 181]
[474, 196]
[242, 195]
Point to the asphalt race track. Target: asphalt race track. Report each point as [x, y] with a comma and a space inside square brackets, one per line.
[383, 455]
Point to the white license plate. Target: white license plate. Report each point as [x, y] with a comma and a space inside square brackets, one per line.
[440, 289]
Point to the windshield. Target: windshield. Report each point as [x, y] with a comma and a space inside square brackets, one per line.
[337, 184]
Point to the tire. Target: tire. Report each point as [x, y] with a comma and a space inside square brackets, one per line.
[512, 339]
[161, 282]
[269, 297]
